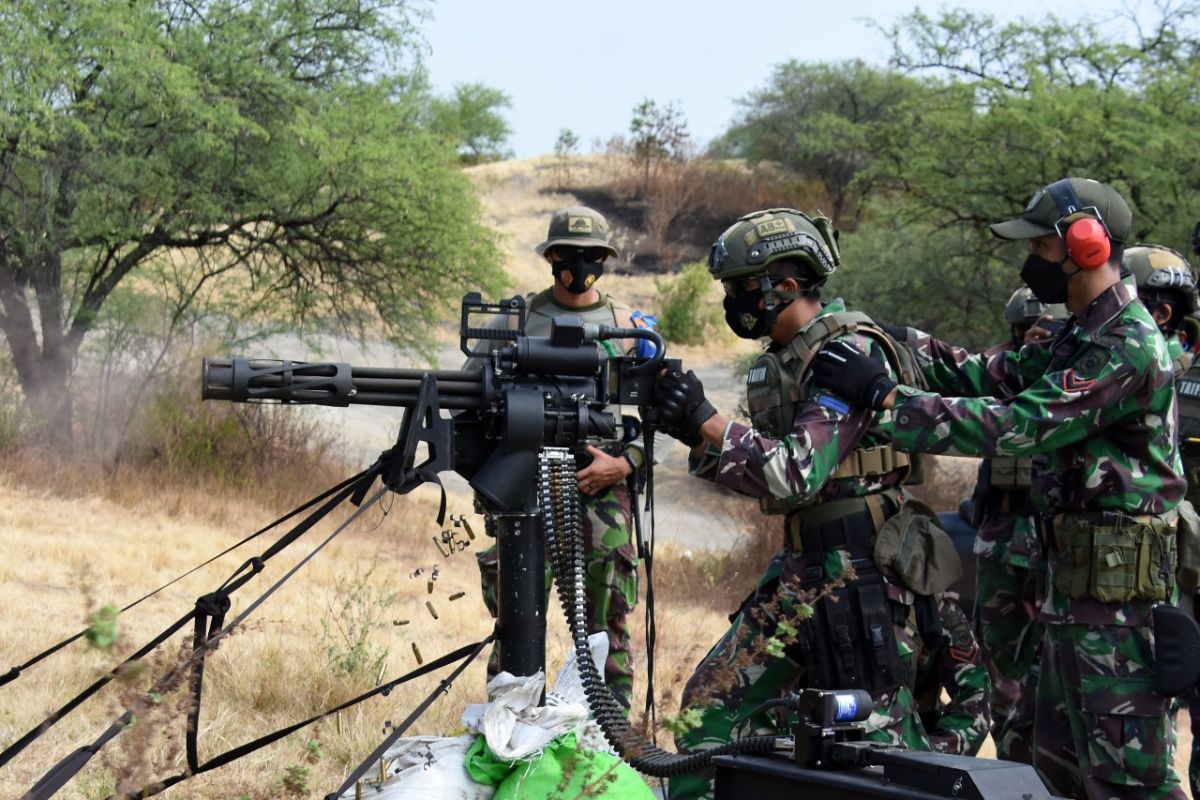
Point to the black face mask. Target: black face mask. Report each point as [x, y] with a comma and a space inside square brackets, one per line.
[576, 274]
[1046, 279]
[746, 318]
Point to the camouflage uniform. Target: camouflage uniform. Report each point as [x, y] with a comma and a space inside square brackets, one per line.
[1099, 399]
[607, 517]
[955, 663]
[1164, 276]
[797, 469]
[1010, 570]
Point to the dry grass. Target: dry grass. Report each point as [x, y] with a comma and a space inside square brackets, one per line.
[68, 555]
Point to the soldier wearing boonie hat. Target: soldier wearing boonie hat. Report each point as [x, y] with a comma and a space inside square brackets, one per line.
[577, 244]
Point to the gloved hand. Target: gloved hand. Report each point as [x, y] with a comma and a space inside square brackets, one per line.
[682, 407]
[846, 372]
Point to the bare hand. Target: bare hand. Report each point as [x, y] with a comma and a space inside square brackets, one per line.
[1036, 333]
[603, 472]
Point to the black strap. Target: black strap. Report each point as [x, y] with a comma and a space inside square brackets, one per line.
[1064, 197]
[49, 784]
[16, 671]
[210, 609]
[77, 760]
[16, 747]
[398, 731]
[249, 747]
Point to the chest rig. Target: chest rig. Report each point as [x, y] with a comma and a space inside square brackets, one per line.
[775, 391]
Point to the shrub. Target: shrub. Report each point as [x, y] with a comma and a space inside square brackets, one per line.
[686, 314]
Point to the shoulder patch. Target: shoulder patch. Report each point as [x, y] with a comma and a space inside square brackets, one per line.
[1091, 361]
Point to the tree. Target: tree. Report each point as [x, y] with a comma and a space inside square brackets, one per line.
[471, 119]
[1007, 108]
[566, 147]
[275, 143]
[658, 134]
[821, 121]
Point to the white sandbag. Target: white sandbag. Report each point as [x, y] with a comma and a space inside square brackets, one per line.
[425, 768]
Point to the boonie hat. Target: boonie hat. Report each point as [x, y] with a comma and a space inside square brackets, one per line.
[1042, 212]
[578, 226]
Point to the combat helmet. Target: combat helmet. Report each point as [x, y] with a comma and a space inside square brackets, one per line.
[1156, 268]
[1023, 309]
[750, 245]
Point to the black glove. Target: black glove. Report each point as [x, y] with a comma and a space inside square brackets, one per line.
[846, 372]
[682, 407]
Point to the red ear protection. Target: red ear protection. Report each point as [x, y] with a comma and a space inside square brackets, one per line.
[1087, 243]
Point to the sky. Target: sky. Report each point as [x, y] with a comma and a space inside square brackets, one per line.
[585, 65]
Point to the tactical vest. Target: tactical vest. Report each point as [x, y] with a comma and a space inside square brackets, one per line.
[775, 392]
[603, 315]
[1182, 363]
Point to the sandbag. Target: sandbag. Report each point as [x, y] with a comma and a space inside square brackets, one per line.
[427, 768]
[562, 770]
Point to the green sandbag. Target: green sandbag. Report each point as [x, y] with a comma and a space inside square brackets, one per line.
[562, 771]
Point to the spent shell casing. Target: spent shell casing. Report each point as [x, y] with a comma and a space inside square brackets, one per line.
[457, 595]
[417, 654]
[432, 610]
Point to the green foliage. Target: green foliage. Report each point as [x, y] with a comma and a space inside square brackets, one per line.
[900, 269]
[357, 612]
[567, 143]
[657, 134]
[971, 118]
[821, 121]
[471, 119]
[103, 632]
[281, 146]
[687, 315]
[687, 719]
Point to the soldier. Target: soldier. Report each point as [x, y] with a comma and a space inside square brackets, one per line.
[1099, 399]
[576, 247]
[1166, 285]
[953, 662]
[835, 479]
[1010, 574]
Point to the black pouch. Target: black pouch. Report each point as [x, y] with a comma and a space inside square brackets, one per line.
[849, 643]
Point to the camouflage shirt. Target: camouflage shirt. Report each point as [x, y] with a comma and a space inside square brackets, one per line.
[1099, 399]
[797, 469]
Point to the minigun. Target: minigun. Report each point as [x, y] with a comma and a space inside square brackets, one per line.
[529, 393]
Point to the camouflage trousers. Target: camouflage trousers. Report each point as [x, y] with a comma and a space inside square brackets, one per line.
[1009, 600]
[611, 582]
[742, 671]
[1100, 730]
[1192, 701]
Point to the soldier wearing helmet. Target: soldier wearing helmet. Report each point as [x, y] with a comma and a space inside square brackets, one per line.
[834, 479]
[1009, 566]
[1166, 285]
[576, 247]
